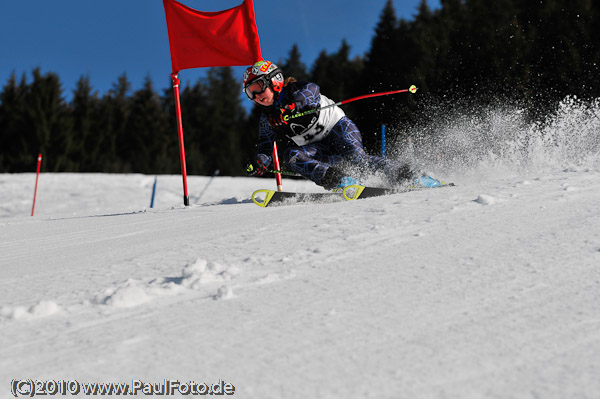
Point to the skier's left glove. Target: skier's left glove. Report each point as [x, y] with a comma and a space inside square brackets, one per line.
[284, 115]
[256, 168]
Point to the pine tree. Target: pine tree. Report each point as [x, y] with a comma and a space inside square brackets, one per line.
[151, 148]
[384, 59]
[592, 55]
[454, 42]
[423, 46]
[195, 114]
[333, 73]
[87, 149]
[49, 120]
[492, 60]
[559, 34]
[224, 127]
[293, 66]
[17, 142]
[339, 77]
[384, 55]
[115, 108]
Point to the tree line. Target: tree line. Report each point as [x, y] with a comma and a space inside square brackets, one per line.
[466, 53]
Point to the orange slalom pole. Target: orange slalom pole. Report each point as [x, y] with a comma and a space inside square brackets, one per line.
[37, 176]
[186, 197]
[277, 167]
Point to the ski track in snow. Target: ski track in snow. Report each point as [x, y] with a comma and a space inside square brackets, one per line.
[490, 289]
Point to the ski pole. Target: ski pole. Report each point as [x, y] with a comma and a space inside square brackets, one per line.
[283, 172]
[412, 89]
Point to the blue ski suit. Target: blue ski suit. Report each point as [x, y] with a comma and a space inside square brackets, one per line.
[318, 140]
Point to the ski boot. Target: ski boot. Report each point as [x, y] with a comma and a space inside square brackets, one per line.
[344, 182]
[336, 179]
[426, 182]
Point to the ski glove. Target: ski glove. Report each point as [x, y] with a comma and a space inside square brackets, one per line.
[283, 116]
[256, 168]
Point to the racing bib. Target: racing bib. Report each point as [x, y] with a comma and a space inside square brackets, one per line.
[313, 127]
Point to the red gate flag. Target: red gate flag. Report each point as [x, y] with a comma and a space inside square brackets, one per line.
[212, 39]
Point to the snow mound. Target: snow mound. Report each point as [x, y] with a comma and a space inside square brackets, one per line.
[223, 293]
[201, 272]
[484, 199]
[128, 294]
[200, 275]
[39, 310]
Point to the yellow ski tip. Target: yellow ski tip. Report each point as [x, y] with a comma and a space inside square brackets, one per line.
[268, 195]
[352, 192]
[413, 89]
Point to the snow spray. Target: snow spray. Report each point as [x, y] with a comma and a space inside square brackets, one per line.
[37, 176]
[491, 140]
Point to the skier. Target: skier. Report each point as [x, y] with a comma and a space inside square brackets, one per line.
[326, 145]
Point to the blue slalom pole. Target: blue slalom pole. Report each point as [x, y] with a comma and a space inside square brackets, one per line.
[153, 192]
[383, 141]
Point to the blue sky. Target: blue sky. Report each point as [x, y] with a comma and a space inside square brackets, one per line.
[103, 39]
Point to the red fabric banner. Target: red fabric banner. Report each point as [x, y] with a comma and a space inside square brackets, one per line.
[212, 39]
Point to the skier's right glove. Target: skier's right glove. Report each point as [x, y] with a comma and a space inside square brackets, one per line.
[282, 117]
[256, 168]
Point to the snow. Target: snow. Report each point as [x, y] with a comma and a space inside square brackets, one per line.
[490, 289]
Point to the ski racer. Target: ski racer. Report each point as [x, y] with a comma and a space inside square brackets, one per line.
[326, 146]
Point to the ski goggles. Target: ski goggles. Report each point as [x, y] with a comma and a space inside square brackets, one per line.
[257, 86]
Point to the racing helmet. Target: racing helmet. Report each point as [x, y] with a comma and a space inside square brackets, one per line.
[261, 75]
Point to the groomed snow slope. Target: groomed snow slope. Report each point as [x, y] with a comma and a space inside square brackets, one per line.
[490, 289]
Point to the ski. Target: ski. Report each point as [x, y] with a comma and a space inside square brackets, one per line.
[356, 191]
[266, 197]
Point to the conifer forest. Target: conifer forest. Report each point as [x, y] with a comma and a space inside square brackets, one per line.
[529, 54]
